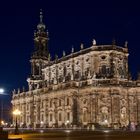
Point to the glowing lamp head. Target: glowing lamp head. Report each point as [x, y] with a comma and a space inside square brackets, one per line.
[2, 122]
[106, 121]
[16, 112]
[1, 90]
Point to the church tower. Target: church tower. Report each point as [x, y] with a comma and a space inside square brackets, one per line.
[40, 56]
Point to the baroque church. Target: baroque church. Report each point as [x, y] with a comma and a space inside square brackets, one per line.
[89, 87]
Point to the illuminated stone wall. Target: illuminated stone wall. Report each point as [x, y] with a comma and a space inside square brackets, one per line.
[82, 88]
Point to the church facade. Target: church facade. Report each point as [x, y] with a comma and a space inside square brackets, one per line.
[91, 86]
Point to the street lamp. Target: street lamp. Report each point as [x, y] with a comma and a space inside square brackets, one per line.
[16, 113]
[3, 134]
[1, 93]
[1, 90]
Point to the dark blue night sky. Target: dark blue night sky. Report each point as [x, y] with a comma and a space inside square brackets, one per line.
[69, 23]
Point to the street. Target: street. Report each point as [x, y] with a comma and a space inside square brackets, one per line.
[79, 135]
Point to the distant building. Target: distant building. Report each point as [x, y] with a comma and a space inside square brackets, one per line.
[92, 86]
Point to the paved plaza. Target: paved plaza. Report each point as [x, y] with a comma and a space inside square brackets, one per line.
[79, 135]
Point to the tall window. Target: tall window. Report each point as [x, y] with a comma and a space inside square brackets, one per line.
[121, 72]
[51, 117]
[28, 119]
[42, 104]
[65, 71]
[50, 103]
[77, 74]
[59, 102]
[21, 119]
[36, 70]
[84, 116]
[27, 106]
[42, 117]
[68, 116]
[36, 118]
[60, 117]
[68, 101]
[104, 69]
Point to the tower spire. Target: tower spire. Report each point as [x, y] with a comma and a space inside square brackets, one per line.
[40, 56]
[41, 26]
[41, 39]
[41, 16]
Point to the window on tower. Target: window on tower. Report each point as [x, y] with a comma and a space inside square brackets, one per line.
[36, 70]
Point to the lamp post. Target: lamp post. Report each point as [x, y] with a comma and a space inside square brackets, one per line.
[3, 134]
[16, 113]
[1, 109]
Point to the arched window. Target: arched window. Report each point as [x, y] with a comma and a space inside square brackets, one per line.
[65, 71]
[50, 103]
[27, 106]
[42, 117]
[36, 70]
[60, 117]
[59, 102]
[68, 116]
[42, 104]
[84, 101]
[77, 74]
[85, 116]
[68, 101]
[103, 69]
[121, 72]
[50, 117]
